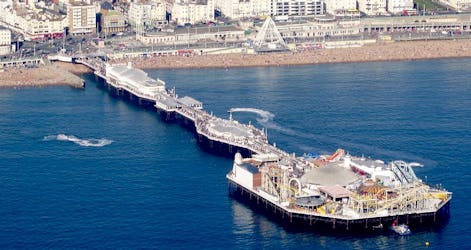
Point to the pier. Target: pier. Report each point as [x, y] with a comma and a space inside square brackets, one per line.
[338, 190]
[226, 136]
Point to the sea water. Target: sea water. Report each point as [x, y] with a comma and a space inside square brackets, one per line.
[83, 169]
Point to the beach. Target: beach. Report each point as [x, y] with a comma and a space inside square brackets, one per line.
[60, 73]
[44, 75]
[388, 51]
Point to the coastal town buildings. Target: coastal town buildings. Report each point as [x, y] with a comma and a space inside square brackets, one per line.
[341, 7]
[291, 32]
[201, 36]
[399, 6]
[318, 31]
[372, 7]
[81, 17]
[192, 11]
[147, 14]
[112, 22]
[5, 41]
[459, 5]
[237, 9]
[139, 14]
[297, 7]
[32, 21]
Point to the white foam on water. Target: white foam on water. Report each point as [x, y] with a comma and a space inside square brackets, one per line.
[266, 118]
[266, 115]
[267, 121]
[82, 142]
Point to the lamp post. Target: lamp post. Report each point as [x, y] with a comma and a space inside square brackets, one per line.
[188, 38]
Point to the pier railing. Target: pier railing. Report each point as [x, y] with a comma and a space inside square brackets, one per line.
[256, 143]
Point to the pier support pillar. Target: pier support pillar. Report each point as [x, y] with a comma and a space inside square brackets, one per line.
[333, 224]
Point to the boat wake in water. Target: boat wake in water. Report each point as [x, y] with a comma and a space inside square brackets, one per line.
[76, 140]
[266, 119]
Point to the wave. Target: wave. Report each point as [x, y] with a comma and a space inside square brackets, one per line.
[82, 142]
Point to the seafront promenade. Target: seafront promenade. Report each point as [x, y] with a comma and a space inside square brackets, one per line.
[380, 51]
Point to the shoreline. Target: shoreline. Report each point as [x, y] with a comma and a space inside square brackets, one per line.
[379, 52]
[61, 73]
[56, 74]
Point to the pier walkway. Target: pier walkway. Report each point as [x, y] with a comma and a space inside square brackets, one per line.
[226, 131]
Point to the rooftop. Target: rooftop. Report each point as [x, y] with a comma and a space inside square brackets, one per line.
[335, 191]
[222, 127]
[329, 175]
[189, 101]
[134, 75]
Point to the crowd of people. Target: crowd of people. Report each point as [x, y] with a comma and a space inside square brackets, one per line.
[381, 51]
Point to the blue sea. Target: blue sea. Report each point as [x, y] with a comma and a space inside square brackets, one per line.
[83, 169]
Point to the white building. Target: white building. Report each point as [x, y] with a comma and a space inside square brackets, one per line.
[237, 9]
[134, 80]
[398, 6]
[458, 4]
[372, 7]
[5, 3]
[318, 30]
[140, 14]
[339, 7]
[297, 7]
[33, 23]
[147, 13]
[192, 11]
[194, 35]
[5, 41]
[81, 17]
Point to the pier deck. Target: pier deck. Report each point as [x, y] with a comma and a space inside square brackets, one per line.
[278, 178]
[226, 131]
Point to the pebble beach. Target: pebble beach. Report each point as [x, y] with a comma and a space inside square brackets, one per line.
[390, 51]
[44, 75]
[67, 73]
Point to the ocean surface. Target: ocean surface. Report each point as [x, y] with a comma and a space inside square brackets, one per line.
[82, 169]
